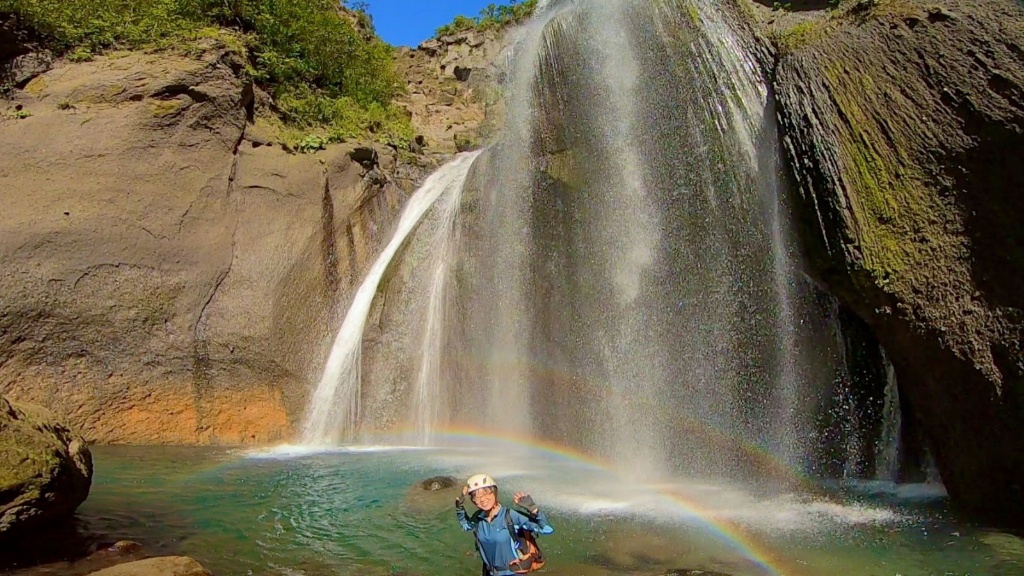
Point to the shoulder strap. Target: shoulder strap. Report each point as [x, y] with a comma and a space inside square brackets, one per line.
[509, 524]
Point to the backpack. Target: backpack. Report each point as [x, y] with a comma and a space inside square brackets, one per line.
[529, 555]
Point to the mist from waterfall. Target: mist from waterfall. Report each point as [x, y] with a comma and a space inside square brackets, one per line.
[635, 290]
[430, 396]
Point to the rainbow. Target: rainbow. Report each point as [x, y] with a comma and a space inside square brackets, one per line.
[731, 534]
[768, 464]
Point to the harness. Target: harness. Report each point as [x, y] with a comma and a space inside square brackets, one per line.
[529, 557]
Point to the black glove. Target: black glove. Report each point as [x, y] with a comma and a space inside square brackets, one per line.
[459, 501]
[528, 503]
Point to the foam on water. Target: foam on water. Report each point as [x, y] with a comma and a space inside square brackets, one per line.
[286, 451]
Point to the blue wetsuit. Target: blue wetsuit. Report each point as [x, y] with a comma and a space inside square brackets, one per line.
[494, 542]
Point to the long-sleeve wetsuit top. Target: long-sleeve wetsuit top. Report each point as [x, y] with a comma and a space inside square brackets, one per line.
[495, 544]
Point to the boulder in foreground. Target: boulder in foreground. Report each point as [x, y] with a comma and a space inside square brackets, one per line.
[45, 469]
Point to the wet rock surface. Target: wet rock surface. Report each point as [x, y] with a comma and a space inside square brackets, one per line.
[897, 120]
[160, 566]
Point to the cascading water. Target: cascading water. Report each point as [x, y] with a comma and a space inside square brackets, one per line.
[888, 458]
[626, 279]
[634, 290]
[335, 404]
[429, 394]
[626, 237]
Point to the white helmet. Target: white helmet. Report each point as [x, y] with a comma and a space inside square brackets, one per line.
[479, 481]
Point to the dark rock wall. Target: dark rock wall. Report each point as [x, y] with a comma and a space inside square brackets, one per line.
[903, 126]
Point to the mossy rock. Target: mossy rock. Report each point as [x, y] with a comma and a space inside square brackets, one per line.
[465, 142]
[45, 469]
[437, 483]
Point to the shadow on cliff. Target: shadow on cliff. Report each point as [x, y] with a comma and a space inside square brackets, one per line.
[990, 185]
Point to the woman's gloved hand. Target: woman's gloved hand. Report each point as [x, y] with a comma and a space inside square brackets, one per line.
[526, 501]
[460, 501]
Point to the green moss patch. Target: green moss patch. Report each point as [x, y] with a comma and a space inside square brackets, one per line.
[898, 219]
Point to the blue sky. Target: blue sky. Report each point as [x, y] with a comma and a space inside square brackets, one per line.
[409, 22]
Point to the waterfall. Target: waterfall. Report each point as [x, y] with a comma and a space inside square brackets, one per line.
[635, 290]
[626, 235]
[849, 428]
[619, 273]
[335, 404]
[887, 466]
[752, 118]
[429, 393]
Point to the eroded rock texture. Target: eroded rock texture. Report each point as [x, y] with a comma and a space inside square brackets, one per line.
[903, 123]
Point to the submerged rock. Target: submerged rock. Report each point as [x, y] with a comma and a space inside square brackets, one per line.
[160, 566]
[438, 483]
[45, 469]
[124, 547]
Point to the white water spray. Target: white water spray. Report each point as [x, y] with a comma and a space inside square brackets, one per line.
[429, 390]
[334, 407]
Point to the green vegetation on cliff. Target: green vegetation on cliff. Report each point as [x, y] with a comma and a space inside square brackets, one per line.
[493, 17]
[324, 65]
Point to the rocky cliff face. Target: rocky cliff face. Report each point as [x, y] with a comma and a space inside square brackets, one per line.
[453, 89]
[173, 275]
[903, 124]
[169, 274]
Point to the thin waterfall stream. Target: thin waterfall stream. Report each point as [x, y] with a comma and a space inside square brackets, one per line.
[335, 404]
[429, 393]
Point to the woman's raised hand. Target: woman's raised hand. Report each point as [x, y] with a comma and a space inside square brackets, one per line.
[525, 500]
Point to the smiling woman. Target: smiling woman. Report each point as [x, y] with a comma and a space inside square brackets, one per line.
[504, 537]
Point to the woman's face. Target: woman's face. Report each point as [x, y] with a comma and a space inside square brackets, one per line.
[484, 498]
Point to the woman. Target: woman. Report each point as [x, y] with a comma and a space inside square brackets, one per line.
[500, 549]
